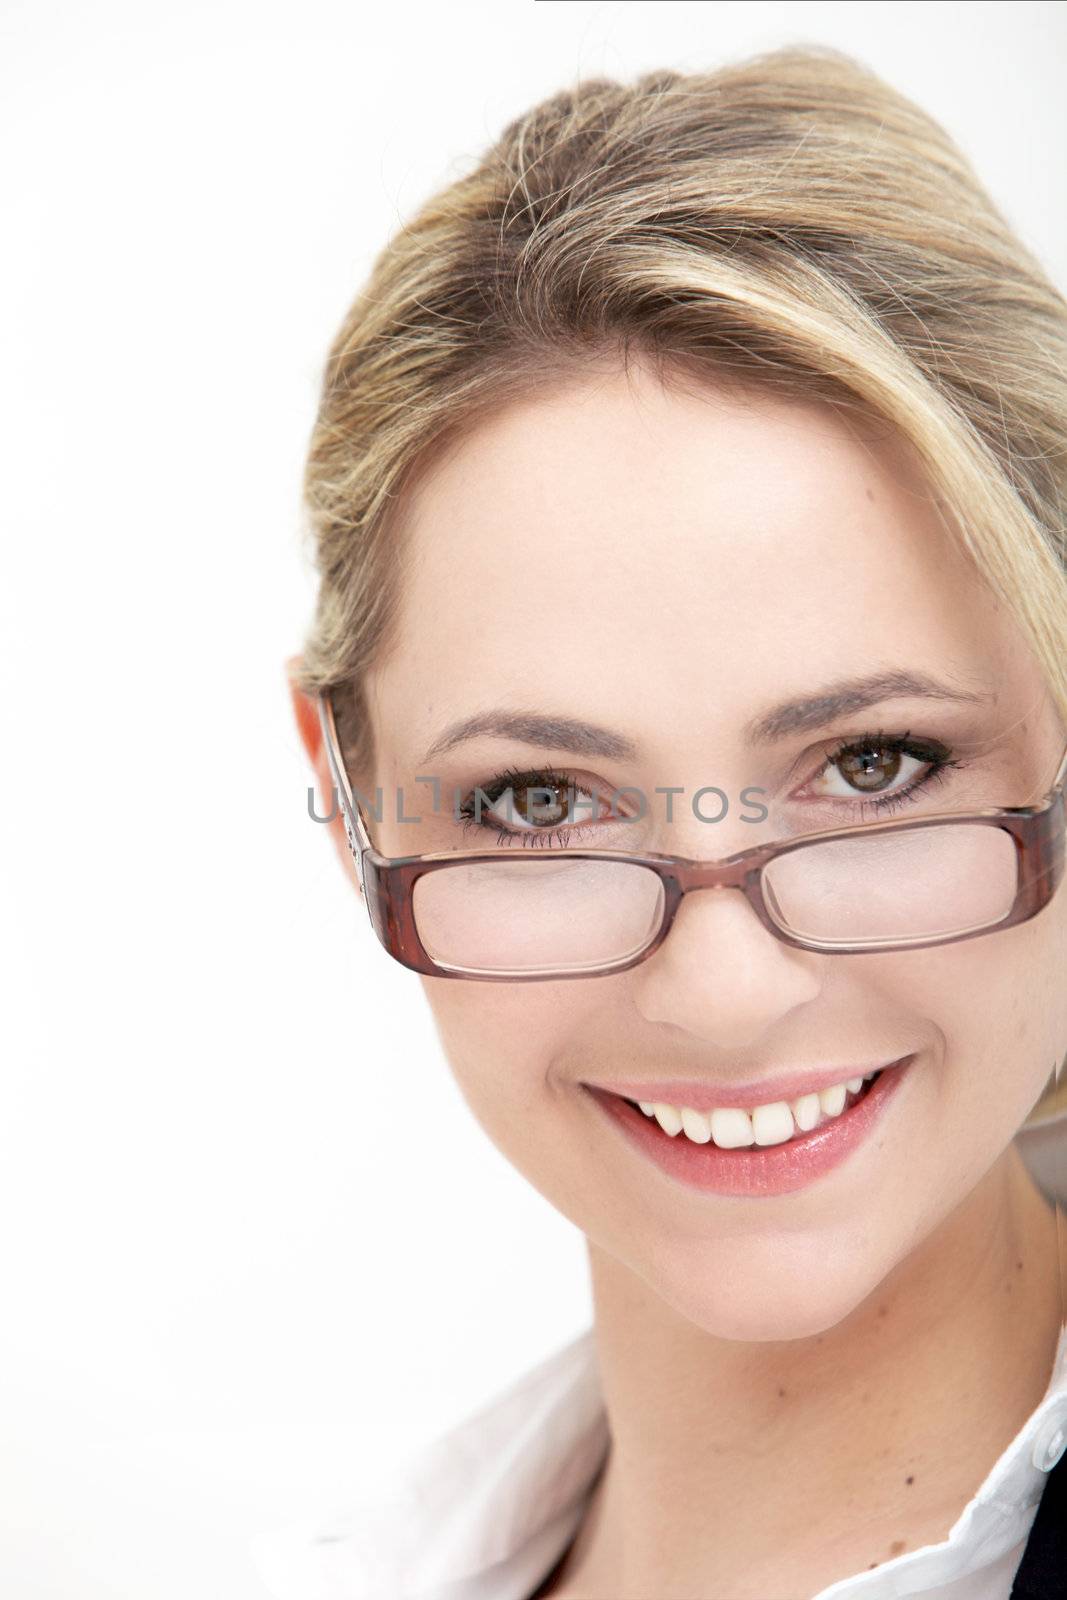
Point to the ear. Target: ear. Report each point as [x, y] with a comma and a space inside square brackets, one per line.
[306, 713]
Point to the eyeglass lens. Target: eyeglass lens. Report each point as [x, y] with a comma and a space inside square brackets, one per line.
[529, 915]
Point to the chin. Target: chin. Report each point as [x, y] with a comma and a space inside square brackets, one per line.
[791, 1297]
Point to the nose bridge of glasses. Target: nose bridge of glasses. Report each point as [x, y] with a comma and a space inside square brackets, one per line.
[735, 872]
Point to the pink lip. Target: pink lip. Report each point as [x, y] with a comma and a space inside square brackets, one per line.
[754, 1170]
[701, 1095]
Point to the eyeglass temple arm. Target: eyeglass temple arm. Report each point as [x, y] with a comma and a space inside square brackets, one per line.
[357, 834]
[1061, 775]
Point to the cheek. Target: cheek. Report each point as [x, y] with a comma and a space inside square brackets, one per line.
[501, 1040]
[1042, 990]
[999, 1005]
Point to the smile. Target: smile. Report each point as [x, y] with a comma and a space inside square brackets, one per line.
[732, 1127]
[773, 1149]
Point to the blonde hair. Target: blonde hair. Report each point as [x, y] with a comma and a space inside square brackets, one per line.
[789, 221]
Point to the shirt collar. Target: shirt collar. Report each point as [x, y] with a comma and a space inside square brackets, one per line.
[482, 1513]
[507, 1485]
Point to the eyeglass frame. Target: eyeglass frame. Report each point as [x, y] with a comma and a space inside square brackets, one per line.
[1039, 833]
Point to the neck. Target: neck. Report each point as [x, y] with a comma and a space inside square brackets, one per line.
[826, 1455]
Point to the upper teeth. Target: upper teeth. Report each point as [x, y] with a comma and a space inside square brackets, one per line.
[731, 1127]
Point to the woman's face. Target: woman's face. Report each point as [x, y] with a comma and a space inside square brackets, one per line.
[672, 568]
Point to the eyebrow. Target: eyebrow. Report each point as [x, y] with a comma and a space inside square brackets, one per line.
[802, 715]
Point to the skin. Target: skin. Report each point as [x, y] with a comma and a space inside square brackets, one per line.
[670, 564]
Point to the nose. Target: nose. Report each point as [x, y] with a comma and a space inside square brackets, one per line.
[720, 974]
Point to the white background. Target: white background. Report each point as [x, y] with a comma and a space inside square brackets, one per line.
[252, 1243]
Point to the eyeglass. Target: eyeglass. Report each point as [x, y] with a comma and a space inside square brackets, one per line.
[900, 885]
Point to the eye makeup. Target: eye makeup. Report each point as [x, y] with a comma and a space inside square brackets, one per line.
[853, 760]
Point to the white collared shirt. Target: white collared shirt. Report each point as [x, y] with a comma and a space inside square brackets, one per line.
[487, 1509]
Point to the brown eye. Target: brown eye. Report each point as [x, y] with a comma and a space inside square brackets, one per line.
[538, 804]
[870, 769]
[541, 800]
[889, 768]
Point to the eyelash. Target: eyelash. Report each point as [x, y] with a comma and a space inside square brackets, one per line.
[938, 755]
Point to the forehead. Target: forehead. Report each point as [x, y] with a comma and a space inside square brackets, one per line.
[671, 559]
